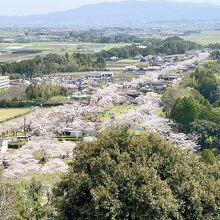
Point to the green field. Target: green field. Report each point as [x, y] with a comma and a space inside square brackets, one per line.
[205, 37]
[46, 178]
[7, 114]
[128, 61]
[30, 50]
[117, 110]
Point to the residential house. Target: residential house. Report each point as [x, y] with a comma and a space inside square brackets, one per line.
[159, 86]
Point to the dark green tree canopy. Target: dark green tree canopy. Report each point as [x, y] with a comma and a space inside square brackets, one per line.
[52, 63]
[125, 176]
[185, 111]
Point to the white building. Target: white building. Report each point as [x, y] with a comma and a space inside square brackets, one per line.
[4, 82]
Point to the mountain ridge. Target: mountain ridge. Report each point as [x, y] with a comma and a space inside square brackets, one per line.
[125, 12]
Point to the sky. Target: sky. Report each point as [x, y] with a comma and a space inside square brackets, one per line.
[28, 7]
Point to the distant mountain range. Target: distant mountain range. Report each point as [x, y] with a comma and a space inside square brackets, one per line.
[125, 12]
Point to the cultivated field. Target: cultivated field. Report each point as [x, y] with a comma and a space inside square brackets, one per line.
[7, 114]
[20, 51]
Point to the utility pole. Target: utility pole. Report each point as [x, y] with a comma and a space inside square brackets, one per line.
[24, 126]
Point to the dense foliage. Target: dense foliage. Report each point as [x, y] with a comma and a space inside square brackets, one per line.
[38, 94]
[32, 201]
[89, 37]
[44, 91]
[171, 95]
[199, 113]
[169, 46]
[185, 111]
[124, 176]
[7, 199]
[206, 83]
[214, 46]
[215, 54]
[176, 45]
[52, 63]
[24, 103]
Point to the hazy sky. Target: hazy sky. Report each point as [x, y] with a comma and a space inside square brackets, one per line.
[24, 7]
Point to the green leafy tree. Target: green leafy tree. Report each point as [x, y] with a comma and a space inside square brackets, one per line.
[44, 91]
[52, 63]
[208, 87]
[171, 95]
[33, 201]
[100, 62]
[208, 156]
[208, 133]
[124, 176]
[185, 111]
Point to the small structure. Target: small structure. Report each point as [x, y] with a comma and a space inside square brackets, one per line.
[153, 68]
[100, 75]
[191, 66]
[169, 78]
[73, 133]
[3, 145]
[145, 89]
[159, 86]
[131, 68]
[113, 59]
[158, 60]
[23, 137]
[143, 59]
[132, 94]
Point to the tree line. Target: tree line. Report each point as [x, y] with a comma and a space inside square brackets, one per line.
[53, 63]
[169, 46]
[87, 37]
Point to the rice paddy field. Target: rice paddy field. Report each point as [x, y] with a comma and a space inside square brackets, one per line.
[7, 114]
[205, 37]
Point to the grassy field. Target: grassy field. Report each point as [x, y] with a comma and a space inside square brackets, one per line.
[128, 61]
[7, 114]
[205, 37]
[45, 178]
[117, 110]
